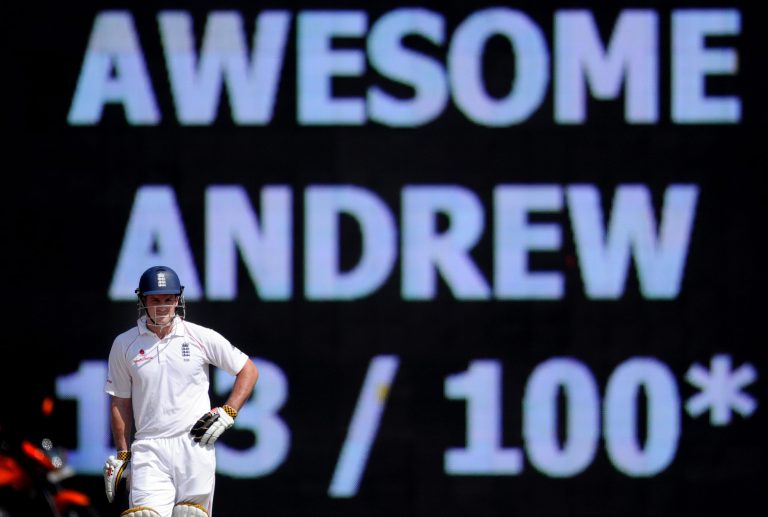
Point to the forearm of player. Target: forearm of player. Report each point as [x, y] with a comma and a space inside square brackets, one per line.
[117, 466]
[211, 425]
[245, 380]
[122, 422]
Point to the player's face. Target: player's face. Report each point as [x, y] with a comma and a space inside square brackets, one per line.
[161, 307]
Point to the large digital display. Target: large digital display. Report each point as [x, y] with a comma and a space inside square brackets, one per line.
[490, 259]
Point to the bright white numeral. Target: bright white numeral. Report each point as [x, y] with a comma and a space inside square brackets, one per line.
[258, 415]
[540, 417]
[86, 386]
[629, 456]
[480, 385]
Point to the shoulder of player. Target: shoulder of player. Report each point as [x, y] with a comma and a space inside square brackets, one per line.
[200, 332]
[127, 337]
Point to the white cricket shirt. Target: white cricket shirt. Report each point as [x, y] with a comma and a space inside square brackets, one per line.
[168, 379]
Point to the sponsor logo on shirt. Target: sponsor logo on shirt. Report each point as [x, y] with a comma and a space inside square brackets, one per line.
[185, 351]
[142, 357]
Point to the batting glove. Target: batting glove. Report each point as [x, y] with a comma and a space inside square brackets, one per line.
[115, 470]
[210, 426]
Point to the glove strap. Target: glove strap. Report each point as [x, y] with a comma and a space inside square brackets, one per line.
[229, 410]
[124, 455]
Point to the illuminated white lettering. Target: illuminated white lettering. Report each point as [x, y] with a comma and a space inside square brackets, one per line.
[632, 53]
[605, 245]
[114, 72]
[266, 248]
[515, 237]
[531, 67]
[425, 251]
[324, 279]
[251, 82]
[390, 58]
[604, 256]
[692, 62]
[154, 235]
[114, 69]
[318, 63]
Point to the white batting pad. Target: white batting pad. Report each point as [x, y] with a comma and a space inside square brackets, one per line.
[189, 510]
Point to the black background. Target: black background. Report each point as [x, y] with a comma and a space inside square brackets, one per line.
[67, 194]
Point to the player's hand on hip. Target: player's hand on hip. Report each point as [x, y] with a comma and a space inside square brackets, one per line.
[210, 426]
[116, 469]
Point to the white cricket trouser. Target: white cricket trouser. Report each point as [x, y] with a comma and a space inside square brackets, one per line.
[166, 471]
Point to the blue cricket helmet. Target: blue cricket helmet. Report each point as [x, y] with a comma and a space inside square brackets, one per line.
[159, 280]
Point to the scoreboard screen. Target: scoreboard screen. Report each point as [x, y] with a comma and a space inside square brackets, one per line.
[489, 258]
